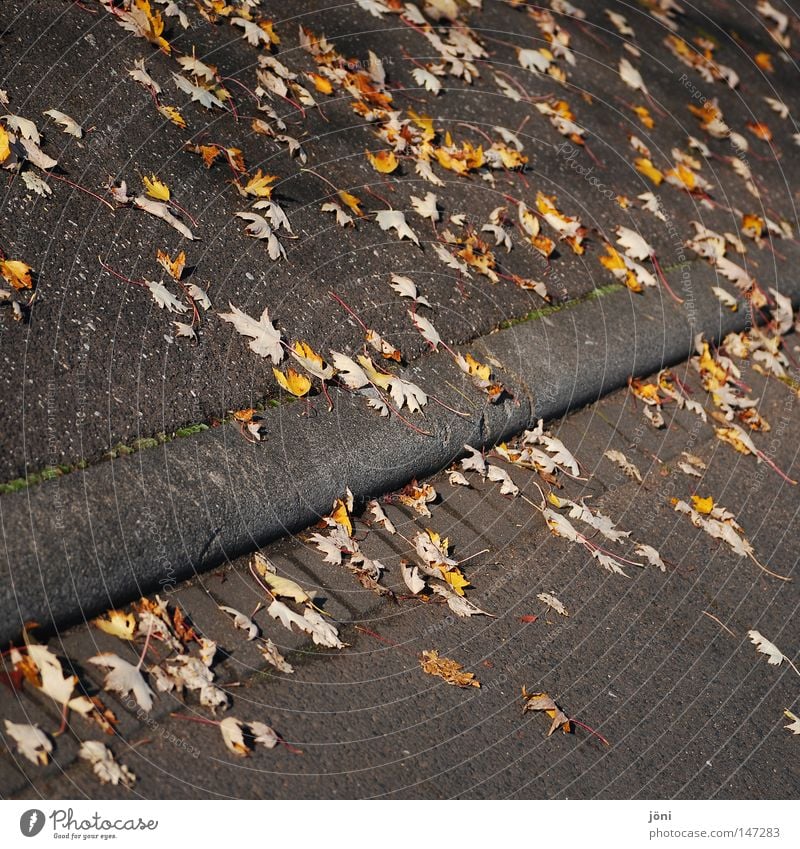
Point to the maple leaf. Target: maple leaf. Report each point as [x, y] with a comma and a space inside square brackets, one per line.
[5, 146]
[293, 382]
[423, 77]
[201, 95]
[651, 555]
[633, 243]
[155, 188]
[775, 656]
[630, 76]
[24, 126]
[256, 34]
[232, 731]
[124, 678]
[411, 577]
[117, 623]
[342, 218]
[321, 631]
[162, 211]
[392, 219]
[543, 702]
[258, 185]
[447, 669]
[428, 331]
[351, 202]
[278, 585]
[242, 621]
[271, 654]
[173, 114]
[624, 463]
[173, 267]
[384, 161]
[794, 722]
[406, 288]
[32, 742]
[208, 152]
[426, 207]
[501, 476]
[644, 166]
[17, 273]
[266, 340]
[104, 766]
[164, 298]
[552, 602]
[311, 361]
[71, 127]
[198, 68]
[51, 678]
[140, 75]
[259, 228]
[461, 606]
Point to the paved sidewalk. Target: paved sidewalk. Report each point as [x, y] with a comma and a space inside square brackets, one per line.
[658, 663]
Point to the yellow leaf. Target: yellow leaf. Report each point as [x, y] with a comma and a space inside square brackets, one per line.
[646, 167]
[267, 26]
[684, 175]
[5, 149]
[258, 185]
[384, 161]
[456, 580]
[436, 539]
[117, 623]
[731, 436]
[278, 585]
[477, 369]
[448, 670]
[172, 113]
[341, 516]
[294, 382]
[17, 273]
[380, 378]
[703, 505]
[351, 202]
[155, 26]
[644, 116]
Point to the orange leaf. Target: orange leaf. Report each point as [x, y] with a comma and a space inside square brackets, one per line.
[17, 273]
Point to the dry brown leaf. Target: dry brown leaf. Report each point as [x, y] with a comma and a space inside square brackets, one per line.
[447, 669]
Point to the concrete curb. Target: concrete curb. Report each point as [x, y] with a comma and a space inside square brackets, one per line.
[74, 546]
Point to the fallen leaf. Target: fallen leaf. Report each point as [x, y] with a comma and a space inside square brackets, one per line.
[117, 623]
[124, 678]
[17, 273]
[104, 766]
[552, 602]
[384, 161]
[448, 670]
[293, 382]
[774, 655]
[543, 702]
[32, 742]
[266, 340]
[242, 621]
